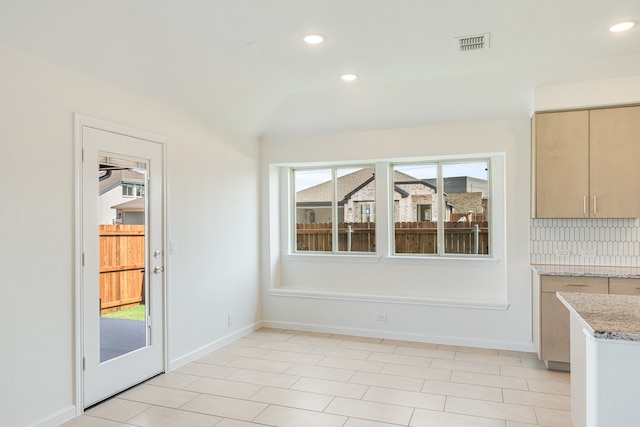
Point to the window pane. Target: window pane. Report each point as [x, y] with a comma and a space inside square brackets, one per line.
[415, 208]
[466, 223]
[356, 199]
[314, 210]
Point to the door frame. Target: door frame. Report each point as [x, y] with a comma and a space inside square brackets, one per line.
[81, 120]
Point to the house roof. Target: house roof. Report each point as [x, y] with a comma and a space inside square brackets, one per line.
[131, 205]
[113, 178]
[348, 185]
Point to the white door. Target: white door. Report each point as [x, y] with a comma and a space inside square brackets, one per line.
[122, 277]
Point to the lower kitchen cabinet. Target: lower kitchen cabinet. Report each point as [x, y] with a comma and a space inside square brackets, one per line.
[624, 286]
[554, 317]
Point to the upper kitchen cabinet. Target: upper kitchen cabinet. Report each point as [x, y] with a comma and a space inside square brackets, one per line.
[615, 162]
[561, 164]
[587, 163]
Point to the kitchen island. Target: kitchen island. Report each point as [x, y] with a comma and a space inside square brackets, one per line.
[605, 358]
[587, 271]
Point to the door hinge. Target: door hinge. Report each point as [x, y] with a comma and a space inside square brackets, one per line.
[84, 363]
[83, 259]
[83, 154]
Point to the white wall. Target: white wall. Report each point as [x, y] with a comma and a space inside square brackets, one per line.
[460, 303]
[210, 275]
[106, 200]
[592, 93]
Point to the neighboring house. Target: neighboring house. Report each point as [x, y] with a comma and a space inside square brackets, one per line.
[413, 199]
[119, 191]
[463, 184]
[356, 199]
[131, 212]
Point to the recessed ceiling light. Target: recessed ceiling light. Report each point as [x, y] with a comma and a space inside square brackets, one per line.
[313, 39]
[348, 77]
[623, 26]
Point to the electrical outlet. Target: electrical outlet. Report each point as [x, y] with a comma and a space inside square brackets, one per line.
[381, 317]
[229, 320]
[589, 253]
[563, 252]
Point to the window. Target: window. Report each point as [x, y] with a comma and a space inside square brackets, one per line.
[334, 209]
[424, 213]
[132, 190]
[127, 190]
[436, 208]
[441, 208]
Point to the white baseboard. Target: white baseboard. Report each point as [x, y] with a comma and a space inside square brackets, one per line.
[57, 418]
[221, 342]
[396, 335]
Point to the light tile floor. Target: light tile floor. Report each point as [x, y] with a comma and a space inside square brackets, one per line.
[302, 379]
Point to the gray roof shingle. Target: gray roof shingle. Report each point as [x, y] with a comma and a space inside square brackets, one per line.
[347, 184]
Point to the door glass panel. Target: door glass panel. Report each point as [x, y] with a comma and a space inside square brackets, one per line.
[122, 220]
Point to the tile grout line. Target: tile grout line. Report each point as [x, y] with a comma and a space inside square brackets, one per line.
[268, 344]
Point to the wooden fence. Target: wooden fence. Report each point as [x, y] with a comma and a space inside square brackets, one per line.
[122, 258]
[410, 237]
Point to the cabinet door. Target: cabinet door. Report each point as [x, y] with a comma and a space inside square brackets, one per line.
[554, 316]
[624, 286]
[562, 164]
[615, 162]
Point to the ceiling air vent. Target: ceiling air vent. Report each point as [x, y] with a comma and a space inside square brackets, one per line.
[471, 43]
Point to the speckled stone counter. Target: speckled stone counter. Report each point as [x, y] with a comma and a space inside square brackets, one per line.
[586, 271]
[605, 352]
[614, 317]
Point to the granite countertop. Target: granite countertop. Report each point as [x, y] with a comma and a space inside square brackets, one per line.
[587, 271]
[609, 316]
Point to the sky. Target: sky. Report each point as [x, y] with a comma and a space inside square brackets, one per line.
[309, 178]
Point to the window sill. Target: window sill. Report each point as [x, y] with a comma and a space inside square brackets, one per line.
[348, 258]
[391, 299]
[442, 261]
[375, 259]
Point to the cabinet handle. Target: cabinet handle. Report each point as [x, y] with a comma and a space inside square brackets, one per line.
[594, 205]
[576, 285]
[584, 205]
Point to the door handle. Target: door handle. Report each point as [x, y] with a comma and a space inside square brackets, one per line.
[158, 269]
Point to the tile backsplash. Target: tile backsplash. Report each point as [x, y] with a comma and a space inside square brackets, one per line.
[585, 242]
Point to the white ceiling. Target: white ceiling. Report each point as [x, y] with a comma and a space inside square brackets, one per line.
[243, 64]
